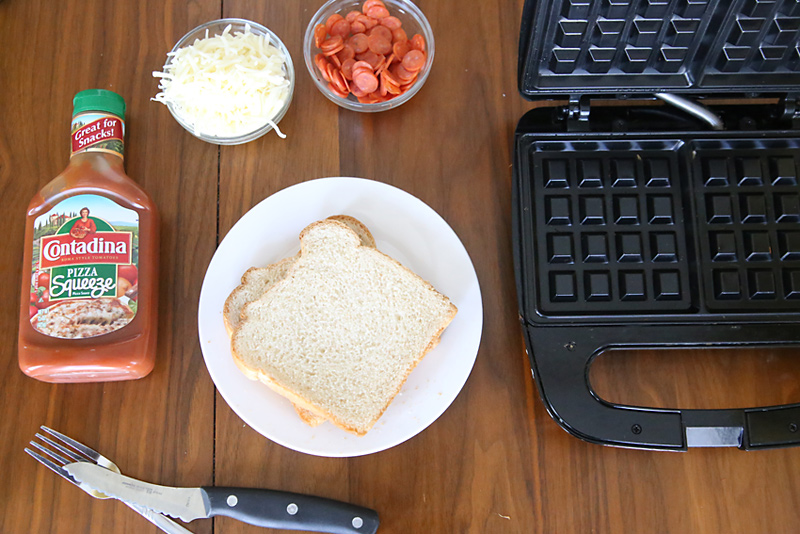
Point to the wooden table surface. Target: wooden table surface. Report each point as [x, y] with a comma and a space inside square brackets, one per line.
[495, 461]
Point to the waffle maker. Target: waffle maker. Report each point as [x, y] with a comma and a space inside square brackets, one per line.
[658, 226]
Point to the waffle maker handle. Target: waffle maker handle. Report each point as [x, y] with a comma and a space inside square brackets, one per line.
[560, 360]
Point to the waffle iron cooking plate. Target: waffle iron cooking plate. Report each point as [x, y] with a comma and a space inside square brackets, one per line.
[639, 226]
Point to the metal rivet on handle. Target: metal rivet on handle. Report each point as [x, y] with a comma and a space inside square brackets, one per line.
[292, 509]
[232, 500]
[358, 522]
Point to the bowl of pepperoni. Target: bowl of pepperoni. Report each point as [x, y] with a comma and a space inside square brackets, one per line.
[369, 55]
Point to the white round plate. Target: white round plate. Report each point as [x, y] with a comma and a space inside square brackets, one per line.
[406, 229]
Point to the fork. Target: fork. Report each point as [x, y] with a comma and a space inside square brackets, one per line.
[78, 452]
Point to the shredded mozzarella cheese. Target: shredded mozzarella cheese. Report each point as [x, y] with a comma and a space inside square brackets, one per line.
[227, 85]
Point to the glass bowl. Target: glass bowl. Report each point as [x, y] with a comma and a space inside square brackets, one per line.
[413, 22]
[216, 27]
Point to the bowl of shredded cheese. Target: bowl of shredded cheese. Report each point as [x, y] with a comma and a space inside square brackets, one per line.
[228, 81]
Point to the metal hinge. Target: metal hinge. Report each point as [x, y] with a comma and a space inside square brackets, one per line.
[791, 110]
[577, 113]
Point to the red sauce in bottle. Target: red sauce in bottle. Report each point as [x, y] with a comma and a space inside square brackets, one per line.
[90, 273]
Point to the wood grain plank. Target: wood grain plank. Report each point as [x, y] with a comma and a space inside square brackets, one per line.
[248, 174]
[159, 428]
[669, 378]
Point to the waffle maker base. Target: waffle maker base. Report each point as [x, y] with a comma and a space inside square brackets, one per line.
[626, 238]
[648, 226]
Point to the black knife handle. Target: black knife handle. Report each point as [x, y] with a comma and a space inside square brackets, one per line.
[291, 511]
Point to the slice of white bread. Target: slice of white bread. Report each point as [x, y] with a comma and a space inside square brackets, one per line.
[257, 280]
[341, 332]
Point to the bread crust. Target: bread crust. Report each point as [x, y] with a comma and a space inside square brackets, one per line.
[229, 310]
[358, 227]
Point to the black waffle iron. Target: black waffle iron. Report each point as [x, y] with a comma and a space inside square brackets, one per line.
[652, 226]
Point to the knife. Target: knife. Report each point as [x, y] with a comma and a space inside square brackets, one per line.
[260, 507]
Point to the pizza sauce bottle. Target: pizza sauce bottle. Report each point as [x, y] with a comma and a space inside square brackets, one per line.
[90, 273]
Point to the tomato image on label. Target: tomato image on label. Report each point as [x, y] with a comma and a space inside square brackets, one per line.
[129, 273]
[85, 268]
[42, 298]
[43, 279]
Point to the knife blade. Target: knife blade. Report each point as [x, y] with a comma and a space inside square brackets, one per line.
[260, 507]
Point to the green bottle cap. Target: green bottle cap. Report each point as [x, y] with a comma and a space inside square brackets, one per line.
[98, 100]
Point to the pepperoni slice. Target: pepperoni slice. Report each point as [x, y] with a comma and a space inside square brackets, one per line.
[351, 17]
[357, 27]
[320, 61]
[378, 44]
[333, 19]
[372, 98]
[337, 79]
[418, 42]
[322, 65]
[335, 90]
[401, 48]
[360, 72]
[390, 83]
[413, 61]
[406, 87]
[320, 33]
[377, 12]
[390, 78]
[368, 23]
[332, 45]
[383, 87]
[383, 31]
[370, 57]
[393, 23]
[399, 35]
[370, 3]
[347, 68]
[329, 70]
[385, 64]
[380, 66]
[358, 65]
[340, 28]
[357, 92]
[366, 81]
[402, 74]
[359, 42]
[345, 53]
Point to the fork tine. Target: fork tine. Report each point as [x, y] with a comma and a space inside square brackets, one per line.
[63, 450]
[60, 459]
[162, 522]
[90, 453]
[60, 471]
